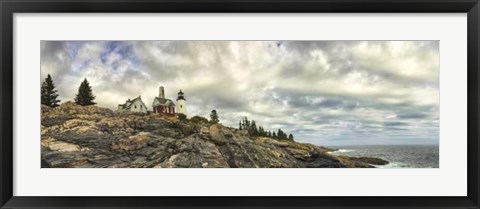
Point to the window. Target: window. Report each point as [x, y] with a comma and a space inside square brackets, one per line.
[135, 107]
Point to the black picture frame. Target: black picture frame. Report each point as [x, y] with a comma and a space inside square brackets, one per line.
[10, 7]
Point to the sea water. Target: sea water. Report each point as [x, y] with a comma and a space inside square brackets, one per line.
[399, 156]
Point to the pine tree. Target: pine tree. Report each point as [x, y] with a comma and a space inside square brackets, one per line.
[253, 129]
[85, 95]
[290, 137]
[240, 125]
[247, 123]
[281, 134]
[214, 117]
[49, 93]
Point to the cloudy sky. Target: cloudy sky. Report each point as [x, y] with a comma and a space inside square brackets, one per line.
[324, 92]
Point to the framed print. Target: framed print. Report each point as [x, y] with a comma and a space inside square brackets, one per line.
[263, 104]
[89, 130]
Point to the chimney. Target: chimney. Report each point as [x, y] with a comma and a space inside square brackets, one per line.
[161, 94]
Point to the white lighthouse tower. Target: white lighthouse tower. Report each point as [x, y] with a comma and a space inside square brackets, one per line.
[181, 104]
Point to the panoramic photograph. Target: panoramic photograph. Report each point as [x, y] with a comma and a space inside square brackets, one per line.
[240, 104]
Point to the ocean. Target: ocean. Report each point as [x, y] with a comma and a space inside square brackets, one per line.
[399, 156]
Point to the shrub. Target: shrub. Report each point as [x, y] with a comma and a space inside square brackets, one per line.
[198, 119]
[181, 116]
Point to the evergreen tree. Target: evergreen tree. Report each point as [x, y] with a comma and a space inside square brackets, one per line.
[281, 134]
[261, 132]
[49, 93]
[85, 95]
[253, 129]
[247, 123]
[214, 117]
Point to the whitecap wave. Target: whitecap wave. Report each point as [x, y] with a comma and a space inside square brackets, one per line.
[393, 165]
[340, 151]
[344, 150]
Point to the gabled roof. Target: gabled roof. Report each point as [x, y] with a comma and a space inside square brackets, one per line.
[129, 103]
[162, 101]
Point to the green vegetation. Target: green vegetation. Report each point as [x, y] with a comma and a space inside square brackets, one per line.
[49, 93]
[253, 130]
[198, 119]
[85, 95]
[214, 117]
[181, 116]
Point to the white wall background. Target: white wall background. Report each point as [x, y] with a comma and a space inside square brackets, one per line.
[448, 180]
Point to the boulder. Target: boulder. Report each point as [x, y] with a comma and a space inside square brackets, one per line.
[216, 135]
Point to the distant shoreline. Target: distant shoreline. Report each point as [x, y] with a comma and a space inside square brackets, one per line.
[359, 145]
[399, 156]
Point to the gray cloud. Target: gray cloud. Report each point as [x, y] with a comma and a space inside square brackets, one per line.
[414, 115]
[395, 123]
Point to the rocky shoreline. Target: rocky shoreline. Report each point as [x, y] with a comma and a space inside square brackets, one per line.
[76, 136]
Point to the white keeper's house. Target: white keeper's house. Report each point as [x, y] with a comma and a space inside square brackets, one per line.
[134, 105]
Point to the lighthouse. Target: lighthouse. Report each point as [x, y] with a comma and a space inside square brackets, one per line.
[181, 105]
